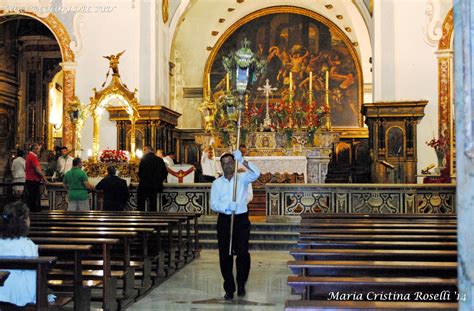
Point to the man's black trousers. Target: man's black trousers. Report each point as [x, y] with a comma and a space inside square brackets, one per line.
[240, 246]
[144, 194]
[33, 195]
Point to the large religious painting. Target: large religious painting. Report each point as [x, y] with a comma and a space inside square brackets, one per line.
[301, 51]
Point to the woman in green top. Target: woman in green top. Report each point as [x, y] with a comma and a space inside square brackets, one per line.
[77, 184]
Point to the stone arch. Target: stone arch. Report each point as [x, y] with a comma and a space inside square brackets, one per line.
[68, 63]
[294, 10]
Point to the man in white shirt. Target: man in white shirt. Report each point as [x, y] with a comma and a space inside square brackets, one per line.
[64, 164]
[169, 158]
[208, 165]
[222, 203]
[18, 172]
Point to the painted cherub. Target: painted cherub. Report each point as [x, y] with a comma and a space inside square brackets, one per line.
[114, 61]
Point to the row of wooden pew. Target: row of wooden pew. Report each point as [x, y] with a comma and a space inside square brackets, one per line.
[109, 257]
[373, 262]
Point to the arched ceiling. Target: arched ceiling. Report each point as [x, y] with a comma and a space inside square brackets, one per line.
[198, 24]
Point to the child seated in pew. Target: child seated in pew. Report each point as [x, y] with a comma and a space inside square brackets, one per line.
[20, 287]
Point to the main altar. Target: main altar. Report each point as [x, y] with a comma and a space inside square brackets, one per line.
[286, 129]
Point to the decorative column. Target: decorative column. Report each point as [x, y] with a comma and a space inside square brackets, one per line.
[132, 137]
[463, 75]
[95, 136]
[69, 71]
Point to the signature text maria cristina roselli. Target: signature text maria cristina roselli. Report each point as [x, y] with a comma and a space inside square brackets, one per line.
[445, 295]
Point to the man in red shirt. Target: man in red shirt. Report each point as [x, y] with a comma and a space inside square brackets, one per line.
[34, 178]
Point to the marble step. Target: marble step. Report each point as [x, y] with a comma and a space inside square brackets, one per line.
[263, 236]
[256, 235]
[255, 244]
[273, 227]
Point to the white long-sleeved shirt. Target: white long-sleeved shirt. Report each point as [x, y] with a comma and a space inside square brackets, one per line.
[64, 164]
[168, 161]
[208, 165]
[222, 189]
[250, 189]
[18, 169]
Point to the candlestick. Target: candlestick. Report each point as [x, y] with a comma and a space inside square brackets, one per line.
[246, 101]
[328, 114]
[310, 81]
[327, 80]
[209, 84]
[291, 83]
[227, 82]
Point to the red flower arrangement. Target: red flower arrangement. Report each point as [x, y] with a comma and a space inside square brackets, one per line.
[113, 156]
[439, 145]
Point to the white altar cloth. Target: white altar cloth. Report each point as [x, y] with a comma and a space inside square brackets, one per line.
[280, 164]
[181, 173]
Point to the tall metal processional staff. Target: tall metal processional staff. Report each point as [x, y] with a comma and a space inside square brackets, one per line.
[233, 225]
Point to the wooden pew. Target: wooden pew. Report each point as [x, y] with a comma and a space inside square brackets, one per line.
[373, 231]
[193, 245]
[324, 287]
[375, 225]
[3, 277]
[378, 237]
[372, 268]
[389, 245]
[126, 272]
[176, 221]
[119, 225]
[409, 217]
[143, 262]
[41, 265]
[374, 254]
[365, 254]
[81, 291]
[109, 283]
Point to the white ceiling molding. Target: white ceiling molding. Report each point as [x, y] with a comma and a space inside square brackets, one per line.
[432, 31]
[78, 26]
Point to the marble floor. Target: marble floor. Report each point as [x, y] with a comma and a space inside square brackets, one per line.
[198, 286]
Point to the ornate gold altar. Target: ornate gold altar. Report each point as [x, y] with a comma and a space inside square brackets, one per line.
[124, 169]
[116, 93]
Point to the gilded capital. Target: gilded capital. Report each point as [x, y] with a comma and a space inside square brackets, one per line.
[69, 65]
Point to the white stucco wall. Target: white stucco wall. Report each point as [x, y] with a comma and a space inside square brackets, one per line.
[405, 64]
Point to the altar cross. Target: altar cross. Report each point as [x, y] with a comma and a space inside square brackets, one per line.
[267, 89]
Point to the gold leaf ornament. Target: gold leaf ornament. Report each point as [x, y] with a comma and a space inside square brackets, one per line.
[164, 9]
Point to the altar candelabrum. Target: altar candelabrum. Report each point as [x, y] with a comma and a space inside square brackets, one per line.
[78, 113]
[208, 108]
[328, 114]
[267, 89]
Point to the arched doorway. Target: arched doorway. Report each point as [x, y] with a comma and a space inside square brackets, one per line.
[36, 62]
